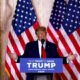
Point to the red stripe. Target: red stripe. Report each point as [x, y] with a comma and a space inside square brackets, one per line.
[77, 65]
[70, 71]
[21, 41]
[29, 35]
[78, 50]
[13, 44]
[78, 31]
[77, 47]
[36, 25]
[68, 68]
[63, 76]
[68, 50]
[8, 68]
[51, 34]
[15, 68]
[65, 44]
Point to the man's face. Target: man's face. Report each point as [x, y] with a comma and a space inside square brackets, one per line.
[41, 35]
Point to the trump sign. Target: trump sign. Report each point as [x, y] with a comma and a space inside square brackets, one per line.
[38, 65]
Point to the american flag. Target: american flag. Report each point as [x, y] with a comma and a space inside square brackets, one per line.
[22, 31]
[64, 30]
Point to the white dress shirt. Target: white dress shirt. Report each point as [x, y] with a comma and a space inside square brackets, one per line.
[39, 47]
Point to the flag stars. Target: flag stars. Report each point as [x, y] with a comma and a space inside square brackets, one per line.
[59, 15]
[17, 15]
[72, 15]
[15, 24]
[57, 2]
[19, 5]
[75, 22]
[20, 26]
[70, 25]
[29, 23]
[55, 14]
[16, 19]
[69, 30]
[23, 6]
[60, 7]
[61, 3]
[71, 4]
[56, 28]
[78, 12]
[24, 27]
[31, 8]
[53, 22]
[68, 14]
[70, 9]
[34, 20]
[19, 0]
[20, 21]
[27, 2]
[71, 20]
[74, 27]
[18, 10]
[24, 1]
[25, 17]
[35, 17]
[66, 24]
[19, 30]
[75, 5]
[25, 22]
[74, 10]
[22, 11]
[26, 12]
[21, 16]
[26, 7]
[30, 14]
[67, 19]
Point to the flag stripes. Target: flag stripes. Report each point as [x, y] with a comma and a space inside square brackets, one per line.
[64, 49]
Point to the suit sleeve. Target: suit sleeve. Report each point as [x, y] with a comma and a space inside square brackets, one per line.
[25, 55]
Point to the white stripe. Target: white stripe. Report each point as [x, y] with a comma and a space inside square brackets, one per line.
[53, 32]
[68, 41]
[74, 69]
[32, 31]
[49, 38]
[77, 37]
[17, 42]
[11, 67]
[25, 38]
[22, 74]
[62, 48]
[64, 51]
[67, 74]
[10, 46]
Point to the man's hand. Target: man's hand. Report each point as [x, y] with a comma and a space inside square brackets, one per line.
[72, 57]
[13, 56]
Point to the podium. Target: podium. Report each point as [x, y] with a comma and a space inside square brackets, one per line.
[42, 69]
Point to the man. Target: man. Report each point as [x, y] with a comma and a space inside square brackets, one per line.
[34, 50]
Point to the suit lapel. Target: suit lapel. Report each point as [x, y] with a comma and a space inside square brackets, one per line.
[37, 50]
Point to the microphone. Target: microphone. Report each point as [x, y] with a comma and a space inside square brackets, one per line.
[42, 41]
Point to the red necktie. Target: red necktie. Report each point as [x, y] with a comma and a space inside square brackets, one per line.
[43, 55]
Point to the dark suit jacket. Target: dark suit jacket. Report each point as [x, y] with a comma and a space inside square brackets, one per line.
[31, 51]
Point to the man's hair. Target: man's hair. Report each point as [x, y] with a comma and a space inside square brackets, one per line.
[41, 29]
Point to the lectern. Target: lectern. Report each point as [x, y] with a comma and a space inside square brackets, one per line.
[42, 69]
